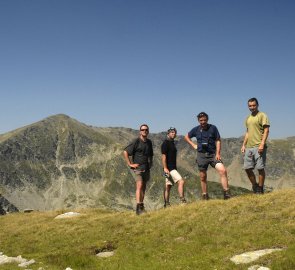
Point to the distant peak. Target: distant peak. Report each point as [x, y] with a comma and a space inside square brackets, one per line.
[60, 115]
[58, 118]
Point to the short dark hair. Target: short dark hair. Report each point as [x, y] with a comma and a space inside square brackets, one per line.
[253, 99]
[202, 114]
[144, 125]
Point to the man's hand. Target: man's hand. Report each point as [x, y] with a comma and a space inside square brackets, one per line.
[189, 141]
[260, 149]
[166, 171]
[133, 165]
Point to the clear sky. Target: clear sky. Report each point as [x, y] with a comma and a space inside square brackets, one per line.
[161, 62]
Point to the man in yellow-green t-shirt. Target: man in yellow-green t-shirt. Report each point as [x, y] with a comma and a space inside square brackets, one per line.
[254, 145]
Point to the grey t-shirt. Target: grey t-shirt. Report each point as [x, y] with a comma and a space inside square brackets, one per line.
[141, 152]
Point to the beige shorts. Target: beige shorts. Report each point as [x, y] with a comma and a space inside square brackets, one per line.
[174, 177]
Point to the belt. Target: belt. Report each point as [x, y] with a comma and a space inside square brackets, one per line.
[206, 152]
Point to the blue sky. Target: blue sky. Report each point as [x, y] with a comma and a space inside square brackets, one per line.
[161, 62]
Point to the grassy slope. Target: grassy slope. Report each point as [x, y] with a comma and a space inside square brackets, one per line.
[200, 235]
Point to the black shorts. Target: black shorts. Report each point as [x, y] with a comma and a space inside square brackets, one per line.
[204, 159]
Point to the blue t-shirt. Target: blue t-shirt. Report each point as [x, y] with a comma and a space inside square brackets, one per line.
[206, 138]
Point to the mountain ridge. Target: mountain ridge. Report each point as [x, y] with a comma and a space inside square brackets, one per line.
[59, 162]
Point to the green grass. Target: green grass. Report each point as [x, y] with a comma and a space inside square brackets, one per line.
[200, 235]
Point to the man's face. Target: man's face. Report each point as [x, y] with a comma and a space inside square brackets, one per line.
[144, 131]
[203, 121]
[253, 107]
[172, 134]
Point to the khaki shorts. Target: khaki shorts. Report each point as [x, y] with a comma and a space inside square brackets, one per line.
[173, 178]
[141, 175]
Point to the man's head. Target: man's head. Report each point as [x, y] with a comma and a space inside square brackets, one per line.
[144, 130]
[203, 119]
[253, 105]
[171, 133]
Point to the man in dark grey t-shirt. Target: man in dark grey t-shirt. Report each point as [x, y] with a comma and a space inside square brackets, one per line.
[141, 151]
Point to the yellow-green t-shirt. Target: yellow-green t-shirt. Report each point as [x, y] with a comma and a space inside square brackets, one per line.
[254, 125]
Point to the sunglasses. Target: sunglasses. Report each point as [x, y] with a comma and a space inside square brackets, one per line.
[172, 129]
[144, 129]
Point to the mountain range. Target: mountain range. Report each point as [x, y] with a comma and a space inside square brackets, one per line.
[61, 163]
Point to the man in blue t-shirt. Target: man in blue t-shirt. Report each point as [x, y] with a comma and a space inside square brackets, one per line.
[208, 152]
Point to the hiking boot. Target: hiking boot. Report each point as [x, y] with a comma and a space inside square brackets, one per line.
[259, 190]
[226, 195]
[255, 188]
[205, 196]
[167, 204]
[141, 205]
[182, 200]
[140, 209]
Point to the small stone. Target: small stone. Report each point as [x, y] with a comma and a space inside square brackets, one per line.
[26, 263]
[258, 267]
[68, 215]
[28, 210]
[251, 256]
[105, 254]
[180, 239]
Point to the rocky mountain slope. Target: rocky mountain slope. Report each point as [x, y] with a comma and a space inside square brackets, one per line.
[61, 163]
